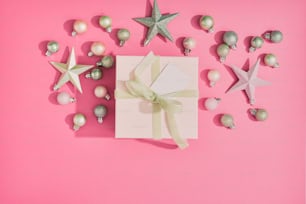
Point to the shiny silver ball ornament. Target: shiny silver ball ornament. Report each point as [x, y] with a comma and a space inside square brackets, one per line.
[106, 23]
[207, 23]
[274, 36]
[227, 121]
[63, 98]
[123, 35]
[256, 43]
[106, 62]
[213, 76]
[211, 103]
[189, 44]
[52, 47]
[271, 60]
[95, 74]
[101, 92]
[222, 51]
[230, 38]
[79, 120]
[100, 112]
[79, 27]
[259, 114]
[97, 49]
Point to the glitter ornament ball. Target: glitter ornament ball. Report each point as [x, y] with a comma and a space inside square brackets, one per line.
[222, 51]
[189, 44]
[207, 23]
[52, 47]
[213, 76]
[256, 43]
[101, 92]
[211, 103]
[274, 36]
[106, 62]
[63, 98]
[95, 74]
[79, 27]
[271, 60]
[79, 120]
[123, 35]
[106, 23]
[230, 38]
[100, 112]
[227, 121]
[97, 49]
[259, 114]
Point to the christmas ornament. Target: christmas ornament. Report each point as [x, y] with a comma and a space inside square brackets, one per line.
[79, 27]
[106, 62]
[227, 121]
[106, 23]
[63, 98]
[52, 47]
[274, 36]
[213, 76]
[100, 112]
[207, 23]
[157, 24]
[70, 72]
[256, 43]
[248, 81]
[96, 48]
[222, 51]
[259, 114]
[271, 60]
[95, 74]
[230, 38]
[123, 35]
[211, 103]
[79, 120]
[189, 44]
[101, 92]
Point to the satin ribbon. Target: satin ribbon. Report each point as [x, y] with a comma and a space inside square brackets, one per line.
[136, 88]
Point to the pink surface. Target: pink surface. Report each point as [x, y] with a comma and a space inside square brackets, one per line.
[43, 161]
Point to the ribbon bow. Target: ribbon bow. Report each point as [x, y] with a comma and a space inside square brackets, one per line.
[136, 88]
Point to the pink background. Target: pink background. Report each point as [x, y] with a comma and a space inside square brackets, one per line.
[43, 161]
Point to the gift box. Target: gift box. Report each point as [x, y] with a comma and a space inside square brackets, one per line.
[157, 97]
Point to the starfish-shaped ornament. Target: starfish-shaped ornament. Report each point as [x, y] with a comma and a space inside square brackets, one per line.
[157, 24]
[70, 72]
[248, 81]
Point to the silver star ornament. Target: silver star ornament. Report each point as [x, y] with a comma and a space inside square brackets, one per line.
[157, 24]
[248, 81]
[70, 72]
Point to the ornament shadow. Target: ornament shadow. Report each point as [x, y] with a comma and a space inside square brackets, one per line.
[113, 36]
[219, 36]
[69, 121]
[156, 143]
[201, 103]
[213, 51]
[250, 116]
[68, 26]
[87, 101]
[85, 47]
[95, 21]
[195, 22]
[52, 98]
[179, 44]
[203, 76]
[216, 120]
[42, 46]
[247, 43]
[262, 57]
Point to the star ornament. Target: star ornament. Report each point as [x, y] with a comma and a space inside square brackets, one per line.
[157, 24]
[248, 81]
[70, 72]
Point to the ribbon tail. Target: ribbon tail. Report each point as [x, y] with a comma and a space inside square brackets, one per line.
[181, 142]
